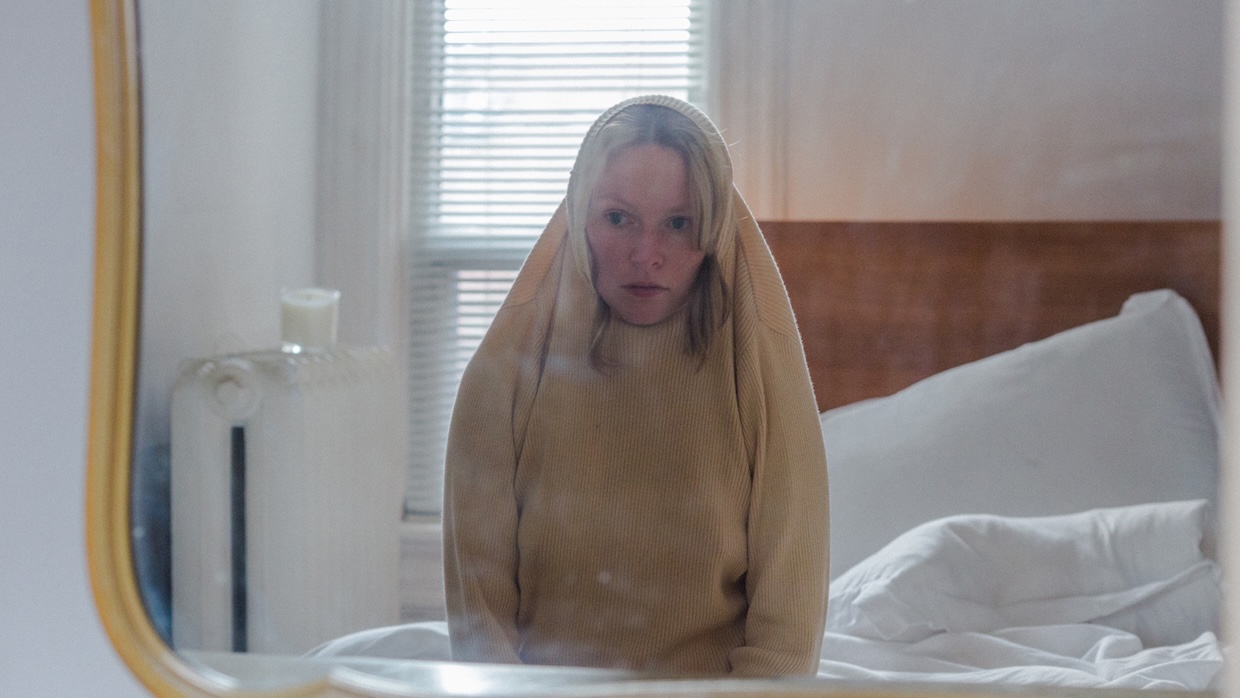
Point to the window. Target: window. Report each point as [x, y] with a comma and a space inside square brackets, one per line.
[503, 94]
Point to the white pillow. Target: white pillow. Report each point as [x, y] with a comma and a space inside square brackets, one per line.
[1140, 569]
[1120, 411]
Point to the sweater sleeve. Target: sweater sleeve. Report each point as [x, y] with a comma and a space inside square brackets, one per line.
[786, 582]
[480, 510]
[787, 532]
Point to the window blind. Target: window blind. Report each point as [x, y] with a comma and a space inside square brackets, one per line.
[503, 93]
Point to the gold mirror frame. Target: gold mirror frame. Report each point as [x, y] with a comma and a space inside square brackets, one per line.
[109, 449]
[113, 364]
[113, 356]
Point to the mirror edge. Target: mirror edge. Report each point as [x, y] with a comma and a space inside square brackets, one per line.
[113, 348]
[114, 362]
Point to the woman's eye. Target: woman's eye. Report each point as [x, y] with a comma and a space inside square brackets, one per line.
[679, 223]
[615, 217]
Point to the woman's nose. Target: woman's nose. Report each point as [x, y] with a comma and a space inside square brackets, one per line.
[648, 250]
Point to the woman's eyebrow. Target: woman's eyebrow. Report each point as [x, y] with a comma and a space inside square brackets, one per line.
[612, 199]
[608, 199]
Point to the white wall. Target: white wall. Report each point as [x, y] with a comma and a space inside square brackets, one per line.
[53, 642]
[974, 109]
[229, 173]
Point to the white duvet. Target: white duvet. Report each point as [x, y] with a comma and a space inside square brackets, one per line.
[1126, 597]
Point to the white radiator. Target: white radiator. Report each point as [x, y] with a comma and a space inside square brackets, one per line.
[287, 484]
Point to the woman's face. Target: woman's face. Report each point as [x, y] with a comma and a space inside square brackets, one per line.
[641, 231]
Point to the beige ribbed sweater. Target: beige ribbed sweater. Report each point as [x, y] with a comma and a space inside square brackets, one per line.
[669, 514]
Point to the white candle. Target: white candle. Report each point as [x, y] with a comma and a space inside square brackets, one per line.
[308, 317]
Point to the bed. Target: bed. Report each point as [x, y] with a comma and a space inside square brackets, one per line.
[1021, 423]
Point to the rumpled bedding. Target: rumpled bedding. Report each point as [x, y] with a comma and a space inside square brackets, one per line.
[1080, 655]
[1123, 597]
[1126, 597]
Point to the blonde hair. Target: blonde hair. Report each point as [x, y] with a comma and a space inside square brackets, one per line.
[710, 191]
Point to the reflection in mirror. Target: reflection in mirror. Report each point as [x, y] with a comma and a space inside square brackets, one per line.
[938, 184]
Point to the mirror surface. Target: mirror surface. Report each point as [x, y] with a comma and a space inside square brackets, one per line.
[292, 144]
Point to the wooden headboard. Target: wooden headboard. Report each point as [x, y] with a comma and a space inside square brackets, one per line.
[883, 305]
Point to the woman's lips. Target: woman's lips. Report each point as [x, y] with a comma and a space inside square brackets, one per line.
[644, 290]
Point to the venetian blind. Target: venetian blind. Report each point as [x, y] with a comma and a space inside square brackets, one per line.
[503, 92]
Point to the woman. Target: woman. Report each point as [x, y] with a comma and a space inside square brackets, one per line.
[635, 472]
